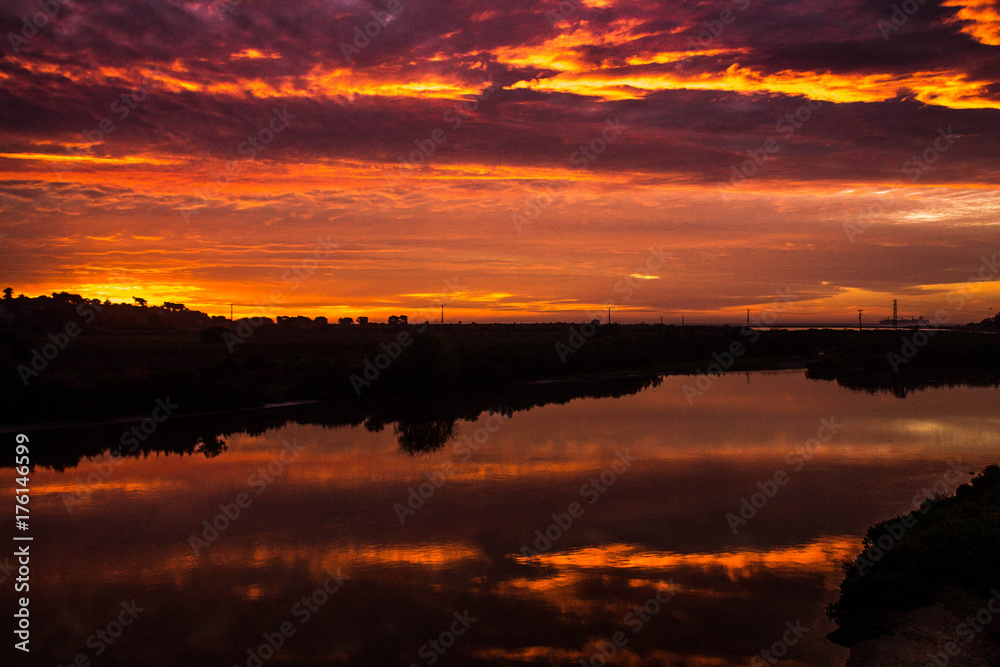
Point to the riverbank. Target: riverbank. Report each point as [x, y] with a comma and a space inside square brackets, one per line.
[927, 583]
[939, 629]
[105, 373]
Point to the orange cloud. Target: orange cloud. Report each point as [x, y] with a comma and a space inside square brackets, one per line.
[949, 89]
[978, 18]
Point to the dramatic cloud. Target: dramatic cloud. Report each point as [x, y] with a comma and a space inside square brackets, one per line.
[534, 152]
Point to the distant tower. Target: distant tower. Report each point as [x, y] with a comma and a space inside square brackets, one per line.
[859, 319]
[894, 314]
[609, 315]
[748, 317]
[442, 314]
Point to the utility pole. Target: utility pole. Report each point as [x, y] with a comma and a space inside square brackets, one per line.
[442, 314]
[609, 315]
[894, 314]
[230, 313]
[859, 319]
[748, 317]
[682, 319]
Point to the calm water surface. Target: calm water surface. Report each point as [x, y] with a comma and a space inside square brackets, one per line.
[654, 533]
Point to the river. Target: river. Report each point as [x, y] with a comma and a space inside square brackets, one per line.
[667, 527]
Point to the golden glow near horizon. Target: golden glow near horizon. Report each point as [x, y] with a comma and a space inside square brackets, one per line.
[432, 158]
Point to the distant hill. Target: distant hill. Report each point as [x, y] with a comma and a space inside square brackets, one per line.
[988, 324]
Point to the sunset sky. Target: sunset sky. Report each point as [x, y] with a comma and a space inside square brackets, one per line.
[271, 154]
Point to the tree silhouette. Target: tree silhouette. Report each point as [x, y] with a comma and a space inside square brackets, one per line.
[139, 300]
[211, 446]
[66, 297]
[415, 437]
[8, 293]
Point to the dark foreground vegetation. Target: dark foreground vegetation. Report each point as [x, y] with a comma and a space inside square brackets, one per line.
[948, 548]
[64, 358]
[420, 424]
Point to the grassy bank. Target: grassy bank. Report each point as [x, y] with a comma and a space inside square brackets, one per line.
[946, 549]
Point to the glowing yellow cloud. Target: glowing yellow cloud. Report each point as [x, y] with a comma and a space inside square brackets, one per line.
[677, 56]
[320, 82]
[950, 89]
[560, 52]
[89, 159]
[254, 54]
[979, 19]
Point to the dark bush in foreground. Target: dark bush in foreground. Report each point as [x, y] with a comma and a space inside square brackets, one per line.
[948, 542]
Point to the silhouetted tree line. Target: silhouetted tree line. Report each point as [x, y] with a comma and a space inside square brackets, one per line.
[421, 424]
[38, 315]
[42, 314]
[101, 374]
